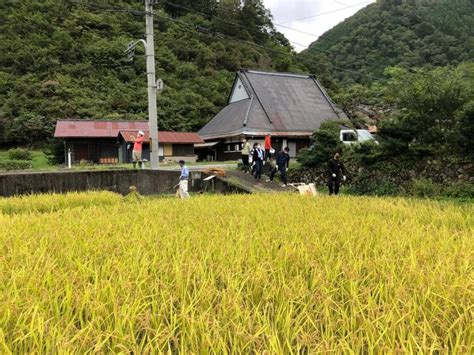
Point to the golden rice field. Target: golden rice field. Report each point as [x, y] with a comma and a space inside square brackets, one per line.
[273, 274]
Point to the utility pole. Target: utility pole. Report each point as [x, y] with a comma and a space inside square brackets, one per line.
[150, 69]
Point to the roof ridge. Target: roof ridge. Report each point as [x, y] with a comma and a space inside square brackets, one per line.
[245, 82]
[291, 75]
[258, 98]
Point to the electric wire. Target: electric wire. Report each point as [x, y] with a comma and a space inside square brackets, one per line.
[214, 34]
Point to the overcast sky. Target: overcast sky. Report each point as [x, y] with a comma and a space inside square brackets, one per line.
[312, 16]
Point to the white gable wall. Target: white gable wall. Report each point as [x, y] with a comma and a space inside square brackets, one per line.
[238, 92]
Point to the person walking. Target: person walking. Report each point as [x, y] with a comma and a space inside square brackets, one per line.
[282, 164]
[137, 149]
[258, 156]
[183, 180]
[245, 152]
[252, 152]
[267, 146]
[336, 171]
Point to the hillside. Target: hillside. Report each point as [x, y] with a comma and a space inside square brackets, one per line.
[389, 33]
[65, 59]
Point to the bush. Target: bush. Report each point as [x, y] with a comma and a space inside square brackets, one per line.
[55, 152]
[15, 165]
[19, 154]
[460, 190]
[426, 188]
[325, 143]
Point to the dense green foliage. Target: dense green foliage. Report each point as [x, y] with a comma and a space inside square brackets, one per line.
[19, 154]
[64, 60]
[325, 143]
[408, 33]
[424, 141]
[15, 164]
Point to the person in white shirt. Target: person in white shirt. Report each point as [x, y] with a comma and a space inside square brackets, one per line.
[183, 180]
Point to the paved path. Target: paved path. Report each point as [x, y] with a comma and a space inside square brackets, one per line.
[248, 183]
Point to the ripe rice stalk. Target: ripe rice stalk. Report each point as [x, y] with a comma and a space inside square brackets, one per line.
[253, 274]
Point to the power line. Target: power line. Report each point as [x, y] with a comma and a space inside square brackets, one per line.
[209, 32]
[244, 27]
[107, 9]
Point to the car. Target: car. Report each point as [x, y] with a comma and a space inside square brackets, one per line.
[354, 136]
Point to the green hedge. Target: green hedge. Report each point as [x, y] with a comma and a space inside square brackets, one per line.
[15, 165]
[19, 154]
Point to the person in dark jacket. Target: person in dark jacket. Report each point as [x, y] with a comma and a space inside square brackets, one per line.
[258, 156]
[282, 163]
[336, 172]
[252, 152]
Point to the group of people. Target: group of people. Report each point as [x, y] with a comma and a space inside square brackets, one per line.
[280, 164]
[261, 156]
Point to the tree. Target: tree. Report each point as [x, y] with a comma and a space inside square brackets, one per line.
[427, 104]
[325, 143]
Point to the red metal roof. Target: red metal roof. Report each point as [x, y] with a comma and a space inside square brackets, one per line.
[96, 129]
[112, 129]
[166, 137]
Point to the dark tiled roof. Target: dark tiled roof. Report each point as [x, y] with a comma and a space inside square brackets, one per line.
[281, 103]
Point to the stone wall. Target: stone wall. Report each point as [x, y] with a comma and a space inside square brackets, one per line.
[148, 182]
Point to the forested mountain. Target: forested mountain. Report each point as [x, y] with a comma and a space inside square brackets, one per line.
[409, 33]
[65, 59]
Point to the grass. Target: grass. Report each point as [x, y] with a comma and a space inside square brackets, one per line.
[38, 162]
[273, 274]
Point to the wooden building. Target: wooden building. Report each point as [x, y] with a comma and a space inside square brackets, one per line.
[111, 142]
[289, 107]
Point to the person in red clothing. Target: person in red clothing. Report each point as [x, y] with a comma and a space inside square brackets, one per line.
[137, 149]
[268, 146]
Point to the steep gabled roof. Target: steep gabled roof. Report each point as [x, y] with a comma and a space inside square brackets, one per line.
[278, 103]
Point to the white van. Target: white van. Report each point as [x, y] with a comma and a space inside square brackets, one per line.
[353, 136]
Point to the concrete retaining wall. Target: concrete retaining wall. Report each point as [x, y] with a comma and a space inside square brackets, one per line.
[148, 182]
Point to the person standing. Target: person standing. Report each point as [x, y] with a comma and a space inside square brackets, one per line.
[245, 152]
[282, 164]
[183, 180]
[267, 146]
[252, 153]
[258, 156]
[137, 149]
[336, 171]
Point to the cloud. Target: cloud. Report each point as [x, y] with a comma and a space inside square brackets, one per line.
[312, 16]
[286, 11]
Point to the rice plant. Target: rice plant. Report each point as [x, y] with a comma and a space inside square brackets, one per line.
[272, 274]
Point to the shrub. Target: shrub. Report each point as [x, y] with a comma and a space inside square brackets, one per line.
[425, 188]
[15, 165]
[19, 154]
[325, 143]
[460, 190]
[54, 152]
